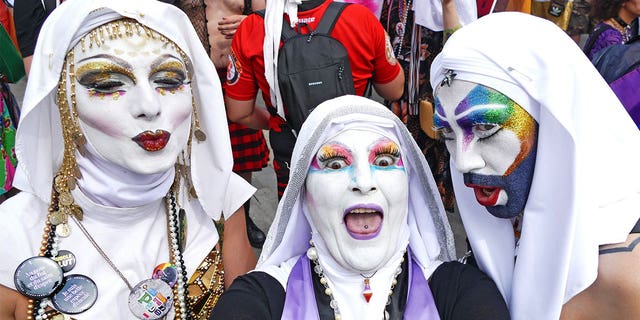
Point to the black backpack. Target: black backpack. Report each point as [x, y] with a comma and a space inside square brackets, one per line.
[312, 67]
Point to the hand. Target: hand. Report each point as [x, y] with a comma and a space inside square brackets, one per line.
[228, 25]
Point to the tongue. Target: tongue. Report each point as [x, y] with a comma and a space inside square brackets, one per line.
[363, 223]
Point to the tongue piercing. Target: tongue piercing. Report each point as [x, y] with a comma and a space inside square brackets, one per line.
[366, 226]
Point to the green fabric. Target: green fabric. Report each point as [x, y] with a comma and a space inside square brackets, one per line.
[11, 65]
[8, 160]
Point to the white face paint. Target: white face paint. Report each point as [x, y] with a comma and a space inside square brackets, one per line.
[492, 141]
[357, 198]
[134, 101]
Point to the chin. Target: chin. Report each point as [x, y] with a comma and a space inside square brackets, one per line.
[365, 259]
[151, 166]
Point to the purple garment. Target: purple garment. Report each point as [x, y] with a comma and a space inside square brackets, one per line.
[300, 301]
[627, 91]
[607, 38]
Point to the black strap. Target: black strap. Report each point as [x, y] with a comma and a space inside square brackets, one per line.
[325, 26]
[594, 36]
[247, 7]
[287, 31]
[329, 18]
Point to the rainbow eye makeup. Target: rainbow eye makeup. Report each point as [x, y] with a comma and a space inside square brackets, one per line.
[385, 153]
[483, 113]
[332, 156]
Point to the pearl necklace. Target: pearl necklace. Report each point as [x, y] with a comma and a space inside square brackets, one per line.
[312, 254]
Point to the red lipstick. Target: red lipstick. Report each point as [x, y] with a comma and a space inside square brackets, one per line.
[486, 196]
[152, 141]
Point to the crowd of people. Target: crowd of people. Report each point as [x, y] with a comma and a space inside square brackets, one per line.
[126, 167]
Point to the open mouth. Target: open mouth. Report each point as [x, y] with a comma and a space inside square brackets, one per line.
[152, 141]
[363, 222]
[486, 196]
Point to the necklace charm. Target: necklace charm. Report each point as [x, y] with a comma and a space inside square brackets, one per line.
[151, 299]
[63, 230]
[366, 292]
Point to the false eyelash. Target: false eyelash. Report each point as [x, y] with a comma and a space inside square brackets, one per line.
[391, 149]
[331, 154]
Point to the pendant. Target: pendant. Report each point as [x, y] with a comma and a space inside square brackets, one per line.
[151, 299]
[367, 293]
[38, 277]
[78, 294]
[200, 135]
[63, 230]
[56, 218]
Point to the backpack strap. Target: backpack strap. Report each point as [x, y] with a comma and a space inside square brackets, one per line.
[326, 24]
[594, 36]
[287, 31]
[329, 18]
[247, 7]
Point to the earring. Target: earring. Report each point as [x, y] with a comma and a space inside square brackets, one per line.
[62, 203]
[197, 131]
[200, 135]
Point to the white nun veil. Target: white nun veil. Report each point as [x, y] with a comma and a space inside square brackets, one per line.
[39, 135]
[585, 189]
[431, 239]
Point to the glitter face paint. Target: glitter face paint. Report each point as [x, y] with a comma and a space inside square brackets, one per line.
[493, 142]
[356, 196]
[134, 110]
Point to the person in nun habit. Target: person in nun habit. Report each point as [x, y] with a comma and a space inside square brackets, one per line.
[361, 232]
[124, 164]
[546, 168]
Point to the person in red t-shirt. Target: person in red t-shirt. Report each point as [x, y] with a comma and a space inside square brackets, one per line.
[370, 55]
[216, 21]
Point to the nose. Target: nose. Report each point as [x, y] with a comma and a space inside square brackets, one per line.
[147, 107]
[362, 179]
[466, 157]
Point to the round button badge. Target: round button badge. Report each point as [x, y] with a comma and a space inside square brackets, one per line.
[166, 272]
[38, 277]
[66, 259]
[78, 294]
[151, 299]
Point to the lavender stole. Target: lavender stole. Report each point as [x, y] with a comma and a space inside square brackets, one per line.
[300, 301]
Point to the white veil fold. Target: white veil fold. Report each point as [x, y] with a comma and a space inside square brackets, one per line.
[585, 189]
[431, 238]
[39, 135]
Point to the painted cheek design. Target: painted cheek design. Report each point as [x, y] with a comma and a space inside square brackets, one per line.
[525, 127]
[511, 117]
